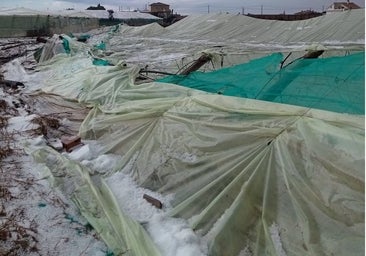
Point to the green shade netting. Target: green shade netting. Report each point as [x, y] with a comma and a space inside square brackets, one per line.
[335, 84]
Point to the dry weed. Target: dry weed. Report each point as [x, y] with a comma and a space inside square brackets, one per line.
[3, 105]
[45, 122]
[5, 150]
[3, 122]
[6, 108]
[17, 239]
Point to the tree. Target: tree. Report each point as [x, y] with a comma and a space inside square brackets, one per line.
[98, 7]
[110, 14]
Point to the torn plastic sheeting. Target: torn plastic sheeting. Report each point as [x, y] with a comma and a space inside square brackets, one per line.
[72, 112]
[61, 44]
[311, 83]
[225, 158]
[123, 235]
[109, 87]
[77, 78]
[196, 140]
[236, 35]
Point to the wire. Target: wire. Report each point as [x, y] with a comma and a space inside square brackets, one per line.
[282, 62]
[155, 72]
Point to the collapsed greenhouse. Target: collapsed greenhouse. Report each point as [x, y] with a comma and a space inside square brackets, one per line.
[261, 151]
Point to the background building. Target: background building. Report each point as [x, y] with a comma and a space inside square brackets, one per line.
[342, 6]
[160, 10]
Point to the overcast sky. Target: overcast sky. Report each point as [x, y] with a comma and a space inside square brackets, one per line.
[183, 6]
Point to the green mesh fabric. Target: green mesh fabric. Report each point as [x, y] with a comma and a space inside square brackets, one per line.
[334, 84]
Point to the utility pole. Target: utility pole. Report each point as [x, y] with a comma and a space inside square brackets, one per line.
[242, 11]
[261, 9]
[208, 8]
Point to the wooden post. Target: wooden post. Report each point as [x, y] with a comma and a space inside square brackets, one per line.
[153, 201]
[197, 64]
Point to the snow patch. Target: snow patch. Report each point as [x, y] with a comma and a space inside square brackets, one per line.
[173, 236]
[276, 238]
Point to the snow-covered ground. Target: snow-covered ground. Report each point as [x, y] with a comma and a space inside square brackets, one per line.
[35, 219]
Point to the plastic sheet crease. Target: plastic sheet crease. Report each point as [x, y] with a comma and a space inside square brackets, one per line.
[94, 199]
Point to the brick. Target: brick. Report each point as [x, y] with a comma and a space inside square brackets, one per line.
[70, 142]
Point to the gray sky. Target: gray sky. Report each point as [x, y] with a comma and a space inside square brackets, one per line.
[183, 6]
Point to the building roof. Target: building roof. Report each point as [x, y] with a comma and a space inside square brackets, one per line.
[159, 3]
[345, 5]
